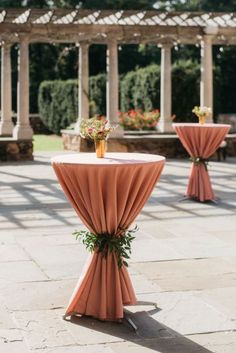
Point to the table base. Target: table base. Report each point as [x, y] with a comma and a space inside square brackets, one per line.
[127, 317]
[186, 198]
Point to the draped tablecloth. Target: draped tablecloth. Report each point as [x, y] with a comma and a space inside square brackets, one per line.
[107, 194]
[201, 141]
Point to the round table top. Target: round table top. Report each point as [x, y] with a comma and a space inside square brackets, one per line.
[109, 159]
[202, 126]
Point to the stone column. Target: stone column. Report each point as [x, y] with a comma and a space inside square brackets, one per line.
[23, 129]
[113, 88]
[83, 108]
[165, 123]
[6, 125]
[206, 85]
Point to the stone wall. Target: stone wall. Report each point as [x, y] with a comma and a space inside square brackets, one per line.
[36, 123]
[166, 145]
[12, 150]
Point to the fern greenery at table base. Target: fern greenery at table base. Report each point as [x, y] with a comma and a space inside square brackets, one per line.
[104, 243]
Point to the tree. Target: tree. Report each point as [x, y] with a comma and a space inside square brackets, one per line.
[196, 5]
[118, 4]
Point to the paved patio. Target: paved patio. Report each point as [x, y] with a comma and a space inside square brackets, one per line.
[184, 259]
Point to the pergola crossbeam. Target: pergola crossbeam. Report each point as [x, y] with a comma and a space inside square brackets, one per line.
[112, 28]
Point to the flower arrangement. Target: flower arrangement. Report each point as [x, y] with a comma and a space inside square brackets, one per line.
[202, 113]
[96, 128]
[138, 120]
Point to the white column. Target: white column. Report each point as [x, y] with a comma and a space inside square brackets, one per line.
[165, 123]
[113, 88]
[83, 108]
[6, 125]
[23, 129]
[206, 85]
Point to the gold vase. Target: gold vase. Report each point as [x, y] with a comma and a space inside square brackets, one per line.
[100, 146]
[202, 119]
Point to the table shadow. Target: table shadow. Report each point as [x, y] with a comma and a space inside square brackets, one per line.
[150, 333]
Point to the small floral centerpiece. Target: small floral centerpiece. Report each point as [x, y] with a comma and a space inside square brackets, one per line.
[138, 120]
[97, 129]
[202, 113]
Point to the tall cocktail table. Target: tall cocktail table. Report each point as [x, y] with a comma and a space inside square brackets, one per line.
[107, 194]
[200, 141]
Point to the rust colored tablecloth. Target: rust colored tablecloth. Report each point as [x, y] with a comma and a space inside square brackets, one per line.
[107, 193]
[200, 141]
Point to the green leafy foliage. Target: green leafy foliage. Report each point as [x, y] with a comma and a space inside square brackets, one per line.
[105, 242]
[58, 104]
[97, 87]
[118, 4]
[185, 89]
[58, 101]
[140, 89]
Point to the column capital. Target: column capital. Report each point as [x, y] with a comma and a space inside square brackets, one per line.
[6, 44]
[165, 45]
[84, 44]
[207, 39]
[23, 38]
[111, 41]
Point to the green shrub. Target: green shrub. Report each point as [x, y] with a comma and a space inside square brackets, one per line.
[97, 87]
[58, 101]
[185, 89]
[140, 89]
[58, 104]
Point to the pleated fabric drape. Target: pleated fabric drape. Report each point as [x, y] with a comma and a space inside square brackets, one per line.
[106, 197]
[201, 141]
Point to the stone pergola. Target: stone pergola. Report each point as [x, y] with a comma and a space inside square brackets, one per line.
[85, 27]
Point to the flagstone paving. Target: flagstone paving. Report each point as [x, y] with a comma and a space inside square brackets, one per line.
[183, 259]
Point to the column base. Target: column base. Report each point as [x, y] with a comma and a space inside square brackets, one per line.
[6, 128]
[23, 132]
[165, 126]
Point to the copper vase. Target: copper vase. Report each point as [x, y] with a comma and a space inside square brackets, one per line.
[202, 119]
[100, 146]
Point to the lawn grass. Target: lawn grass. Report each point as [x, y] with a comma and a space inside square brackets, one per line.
[47, 143]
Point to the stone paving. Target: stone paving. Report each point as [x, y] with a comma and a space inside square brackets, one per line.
[184, 259]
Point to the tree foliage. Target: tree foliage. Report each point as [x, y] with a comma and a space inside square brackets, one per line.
[58, 101]
[58, 104]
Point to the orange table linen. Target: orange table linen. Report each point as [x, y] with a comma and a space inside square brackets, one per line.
[201, 141]
[107, 194]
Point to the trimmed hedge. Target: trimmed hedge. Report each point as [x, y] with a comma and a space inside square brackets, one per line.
[58, 101]
[58, 104]
[140, 89]
[97, 88]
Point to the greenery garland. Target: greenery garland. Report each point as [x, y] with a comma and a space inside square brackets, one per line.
[105, 242]
[199, 160]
